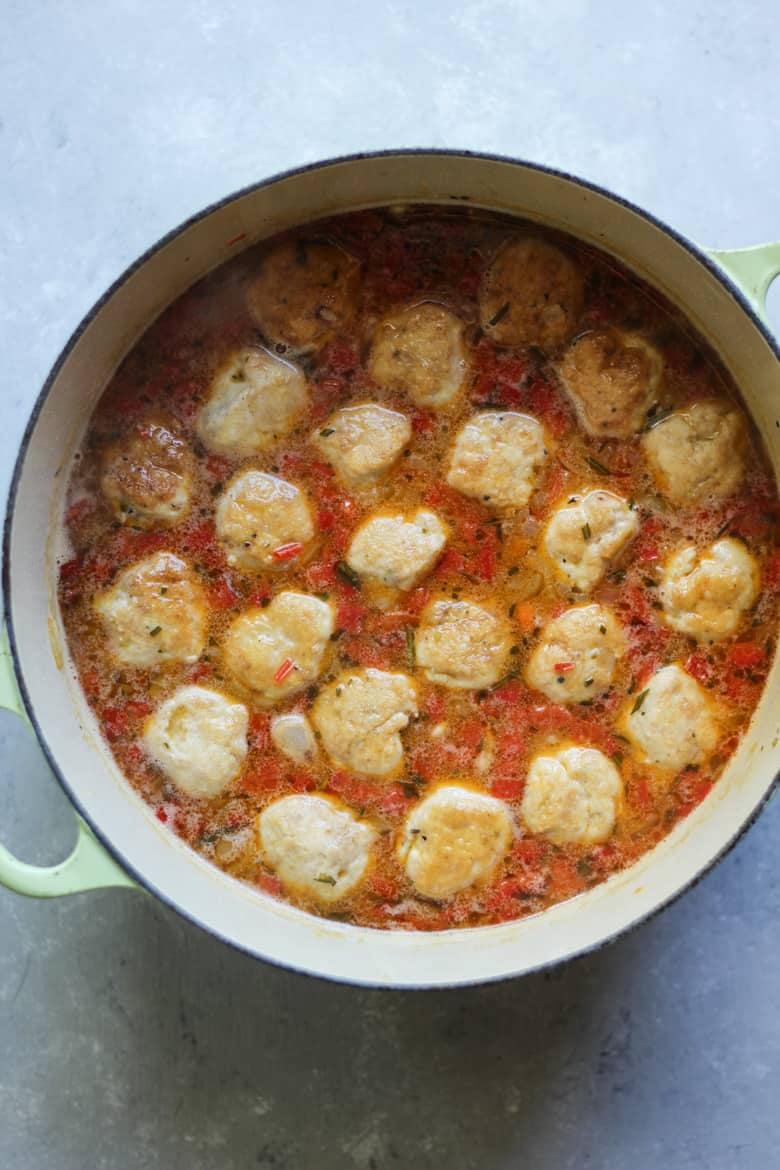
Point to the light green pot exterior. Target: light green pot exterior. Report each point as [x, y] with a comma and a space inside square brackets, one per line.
[250, 920]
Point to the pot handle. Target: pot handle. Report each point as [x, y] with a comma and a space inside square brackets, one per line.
[752, 269]
[89, 866]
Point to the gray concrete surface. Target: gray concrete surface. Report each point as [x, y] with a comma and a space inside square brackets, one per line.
[130, 1040]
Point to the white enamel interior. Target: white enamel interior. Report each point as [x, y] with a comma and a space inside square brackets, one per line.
[250, 920]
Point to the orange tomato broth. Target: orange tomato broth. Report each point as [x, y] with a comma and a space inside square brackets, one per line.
[407, 255]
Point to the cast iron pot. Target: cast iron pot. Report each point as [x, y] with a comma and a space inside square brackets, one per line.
[120, 842]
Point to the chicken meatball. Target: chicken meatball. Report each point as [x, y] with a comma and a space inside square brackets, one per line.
[303, 293]
[363, 442]
[198, 739]
[360, 716]
[420, 352]
[707, 592]
[699, 453]
[316, 845]
[453, 839]
[613, 379]
[154, 612]
[460, 644]
[532, 294]
[264, 522]
[585, 536]
[255, 399]
[672, 720]
[276, 651]
[497, 458]
[576, 655]
[572, 795]
[146, 477]
[397, 550]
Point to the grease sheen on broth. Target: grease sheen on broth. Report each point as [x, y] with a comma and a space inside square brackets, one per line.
[483, 579]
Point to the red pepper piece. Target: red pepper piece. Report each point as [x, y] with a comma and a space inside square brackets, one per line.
[285, 551]
[286, 668]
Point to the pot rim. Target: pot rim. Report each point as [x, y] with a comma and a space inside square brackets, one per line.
[694, 250]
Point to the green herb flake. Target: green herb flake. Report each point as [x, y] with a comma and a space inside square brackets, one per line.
[584, 867]
[513, 571]
[639, 701]
[410, 647]
[598, 467]
[327, 431]
[347, 574]
[499, 316]
[602, 629]
[586, 531]
[216, 488]
[155, 631]
[512, 609]
[327, 879]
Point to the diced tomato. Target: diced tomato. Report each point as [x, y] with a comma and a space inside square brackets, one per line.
[200, 671]
[325, 518]
[260, 730]
[640, 793]
[470, 734]
[525, 616]
[79, 511]
[451, 563]
[384, 888]
[699, 667]
[545, 403]
[422, 421]
[161, 814]
[259, 595]
[114, 722]
[692, 789]
[134, 753]
[509, 694]
[269, 883]
[266, 775]
[218, 466]
[485, 561]
[746, 654]
[351, 616]
[772, 571]
[322, 575]
[366, 653]
[507, 787]
[564, 875]
[530, 850]
[339, 356]
[302, 779]
[417, 599]
[222, 595]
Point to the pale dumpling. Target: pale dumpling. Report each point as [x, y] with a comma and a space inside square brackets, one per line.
[292, 735]
[260, 518]
[532, 294]
[699, 453]
[317, 846]
[587, 534]
[276, 651]
[254, 400]
[461, 644]
[304, 292]
[395, 549]
[613, 378]
[576, 655]
[706, 592]
[146, 478]
[572, 795]
[154, 612]
[198, 738]
[420, 352]
[453, 839]
[497, 458]
[360, 717]
[673, 721]
[363, 442]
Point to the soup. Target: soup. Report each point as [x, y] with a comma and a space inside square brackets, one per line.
[422, 568]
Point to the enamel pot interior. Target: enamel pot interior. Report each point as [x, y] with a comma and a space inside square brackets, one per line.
[251, 920]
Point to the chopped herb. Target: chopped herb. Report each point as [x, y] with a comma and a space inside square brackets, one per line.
[639, 701]
[409, 789]
[327, 879]
[586, 531]
[588, 682]
[617, 758]
[163, 589]
[622, 738]
[265, 602]
[327, 431]
[599, 467]
[512, 609]
[618, 576]
[347, 574]
[584, 867]
[602, 629]
[649, 582]
[499, 316]
[154, 632]
[336, 635]
[323, 595]
[513, 571]
[216, 488]
[410, 648]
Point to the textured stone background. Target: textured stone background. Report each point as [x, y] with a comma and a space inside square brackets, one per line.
[130, 1040]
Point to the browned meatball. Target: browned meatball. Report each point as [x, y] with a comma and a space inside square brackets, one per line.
[146, 477]
[532, 294]
[303, 293]
[613, 378]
